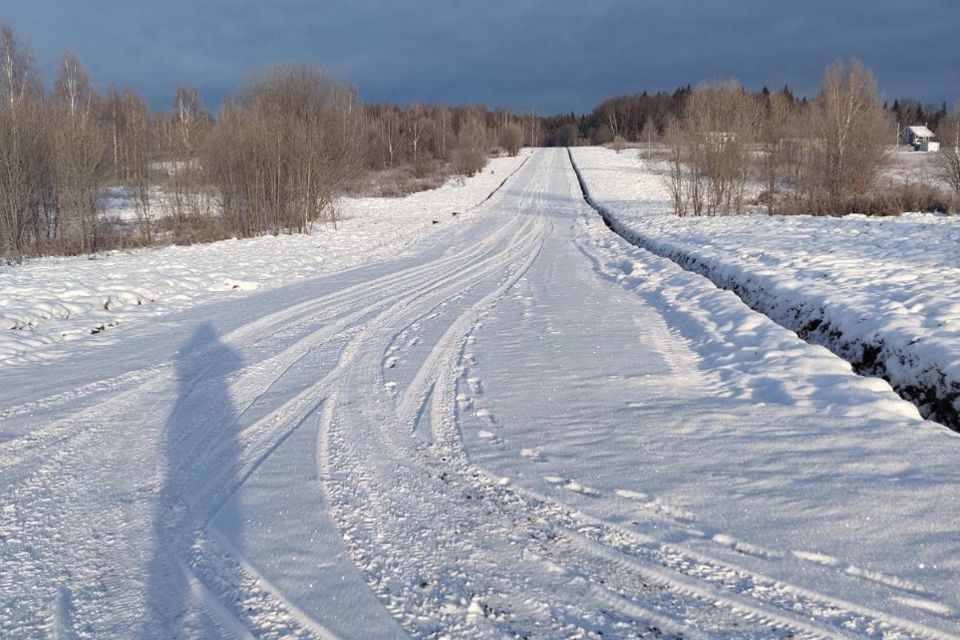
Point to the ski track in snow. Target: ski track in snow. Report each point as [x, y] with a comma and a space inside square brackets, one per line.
[434, 449]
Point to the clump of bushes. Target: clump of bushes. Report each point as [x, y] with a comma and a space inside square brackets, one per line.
[888, 201]
[271, 161]
[822, 157]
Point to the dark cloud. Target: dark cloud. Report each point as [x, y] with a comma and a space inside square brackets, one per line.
[557, 55]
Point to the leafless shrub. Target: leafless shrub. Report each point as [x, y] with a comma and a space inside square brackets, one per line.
[619, 143]
[925, 198]
[676, 177]
[279, 154]
[886, 201]
[468, 161]
[399, 181]
[470, 156]
[711, 150]
[511, 138]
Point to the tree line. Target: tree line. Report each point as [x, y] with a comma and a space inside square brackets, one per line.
[818, 155]
[823, 156]
[277, 153]
[271, 160]
[644, 117]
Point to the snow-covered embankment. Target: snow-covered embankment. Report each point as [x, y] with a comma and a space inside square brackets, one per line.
[882, 293]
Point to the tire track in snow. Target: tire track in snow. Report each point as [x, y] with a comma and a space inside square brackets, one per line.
[367, 296]
[398, 498]
[277, 320]
[444, 461]
[100, 422]
[348, 310]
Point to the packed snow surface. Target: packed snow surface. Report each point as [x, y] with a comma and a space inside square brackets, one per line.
[521, 426]
[882, 292]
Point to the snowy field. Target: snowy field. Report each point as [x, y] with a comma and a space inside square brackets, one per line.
[884, 293]
[908, 166]
[46, 302]
[521, 426]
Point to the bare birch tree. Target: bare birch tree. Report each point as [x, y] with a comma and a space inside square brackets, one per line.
[416, 128]
[185, 133]
[388, 128]
[949, 156]
[777, 135]
[710, 150]
[443, 134]
[78, 155]
[850, 130]
[137, 145]
[23, 169]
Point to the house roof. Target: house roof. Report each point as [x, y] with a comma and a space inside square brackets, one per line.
[920, 131]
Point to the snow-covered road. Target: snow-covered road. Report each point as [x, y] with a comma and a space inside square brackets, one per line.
[526, 428]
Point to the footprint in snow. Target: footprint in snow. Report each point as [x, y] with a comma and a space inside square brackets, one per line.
[532, 455]
[490, 437]
[656, 506]
[571, 485]
[484, 414]
[579, 487]
[632, 495]
[744, 547]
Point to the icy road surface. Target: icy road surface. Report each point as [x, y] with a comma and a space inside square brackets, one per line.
[527, 428]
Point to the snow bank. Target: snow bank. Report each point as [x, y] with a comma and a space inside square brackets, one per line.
[883, 293]
[51, 300]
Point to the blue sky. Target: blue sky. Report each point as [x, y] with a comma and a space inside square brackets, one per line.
[553, 55]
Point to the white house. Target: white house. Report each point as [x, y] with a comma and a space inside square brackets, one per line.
[920, 138]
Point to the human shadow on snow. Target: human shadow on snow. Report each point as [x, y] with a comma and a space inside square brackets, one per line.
[199, 469]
